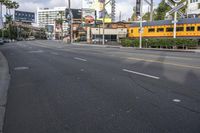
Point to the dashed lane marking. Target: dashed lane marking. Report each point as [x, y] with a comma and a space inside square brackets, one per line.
[81, 59]
[141, 74]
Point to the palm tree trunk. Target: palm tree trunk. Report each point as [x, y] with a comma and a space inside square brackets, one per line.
[1, 19]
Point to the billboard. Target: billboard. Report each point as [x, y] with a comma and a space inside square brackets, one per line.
[23, 16]
[98, 6]
[76, 13]
[88, 16]
[49, 28]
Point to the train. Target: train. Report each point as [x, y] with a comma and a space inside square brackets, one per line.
[186, 28]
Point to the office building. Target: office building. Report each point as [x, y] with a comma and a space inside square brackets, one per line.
[193, 8]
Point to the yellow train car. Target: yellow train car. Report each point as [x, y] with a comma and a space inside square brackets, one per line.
[189, 27]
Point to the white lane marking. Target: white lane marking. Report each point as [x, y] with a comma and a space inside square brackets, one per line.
[54, 53]
[141, 74]
[21, 68]
[82, 70]
[76, 58]
[176, 100]
[37, 51]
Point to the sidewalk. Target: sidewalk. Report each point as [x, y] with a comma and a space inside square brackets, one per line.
[153, 49]
[4, 84]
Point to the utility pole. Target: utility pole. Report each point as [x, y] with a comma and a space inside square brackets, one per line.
[104, 22]
[139, 5]
[150, 3]
[151, 10]
[104, 13]
[175, 21]
[71, 21]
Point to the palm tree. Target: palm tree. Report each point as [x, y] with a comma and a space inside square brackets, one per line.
[10, 5]
[60, 21]
[1, 17]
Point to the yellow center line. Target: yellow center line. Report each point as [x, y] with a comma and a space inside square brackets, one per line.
[167, 63]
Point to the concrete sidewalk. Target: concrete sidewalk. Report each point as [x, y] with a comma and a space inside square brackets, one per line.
[152, 49]
[4, 84]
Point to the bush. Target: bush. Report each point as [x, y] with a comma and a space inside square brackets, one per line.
[161, 42]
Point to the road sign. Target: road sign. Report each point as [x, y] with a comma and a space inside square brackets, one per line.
[175, 8]
[172, 6]
[177, 1]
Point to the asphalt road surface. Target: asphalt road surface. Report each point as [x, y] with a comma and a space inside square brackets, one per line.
[58, 88]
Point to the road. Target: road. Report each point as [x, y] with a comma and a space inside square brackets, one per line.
[58, 88]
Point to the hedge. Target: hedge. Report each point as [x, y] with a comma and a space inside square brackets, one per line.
[161, 42]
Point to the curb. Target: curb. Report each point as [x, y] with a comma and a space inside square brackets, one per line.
[4, 84]
[97, 45]
[168, 50]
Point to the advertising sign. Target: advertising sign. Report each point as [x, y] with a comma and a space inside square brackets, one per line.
[49, 28]
[88, 16]
[98, 6]
[24, 16]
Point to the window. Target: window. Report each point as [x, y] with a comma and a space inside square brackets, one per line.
[198, 28]
[160, 29]
[191, 28]
[151, 30]
[169, 29]
[131, 30]
[179, 29]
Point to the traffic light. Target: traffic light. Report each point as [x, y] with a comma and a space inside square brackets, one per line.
[138, 6]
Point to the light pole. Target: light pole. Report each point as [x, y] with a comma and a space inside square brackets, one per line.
[140, 19]
[104, 5]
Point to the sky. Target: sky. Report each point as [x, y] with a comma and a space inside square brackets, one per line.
[123, 6]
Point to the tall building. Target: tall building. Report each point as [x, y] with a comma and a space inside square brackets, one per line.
[47, 17]
[193, 9]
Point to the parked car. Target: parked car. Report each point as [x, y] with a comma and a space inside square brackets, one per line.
[1, 41]
[98, 40]
[83, 38]
[6, 40]
[30, 38]
[20, 39]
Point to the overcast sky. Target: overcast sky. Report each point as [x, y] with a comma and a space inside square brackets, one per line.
[125, 6]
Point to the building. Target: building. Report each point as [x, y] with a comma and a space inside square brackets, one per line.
[113, 31]
[193, 9]
[47, 17]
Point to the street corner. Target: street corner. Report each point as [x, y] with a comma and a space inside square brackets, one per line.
[4, 84]
[2, 114]
[4, 79]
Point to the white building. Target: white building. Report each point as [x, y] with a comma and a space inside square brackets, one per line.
[47, 17]
[193, 9]
[111, 34]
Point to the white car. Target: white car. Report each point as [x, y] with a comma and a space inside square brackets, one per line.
[98, 40]
[30, 38]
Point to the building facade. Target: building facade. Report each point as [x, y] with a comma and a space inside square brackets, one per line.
[47, 17]
[193, 8]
